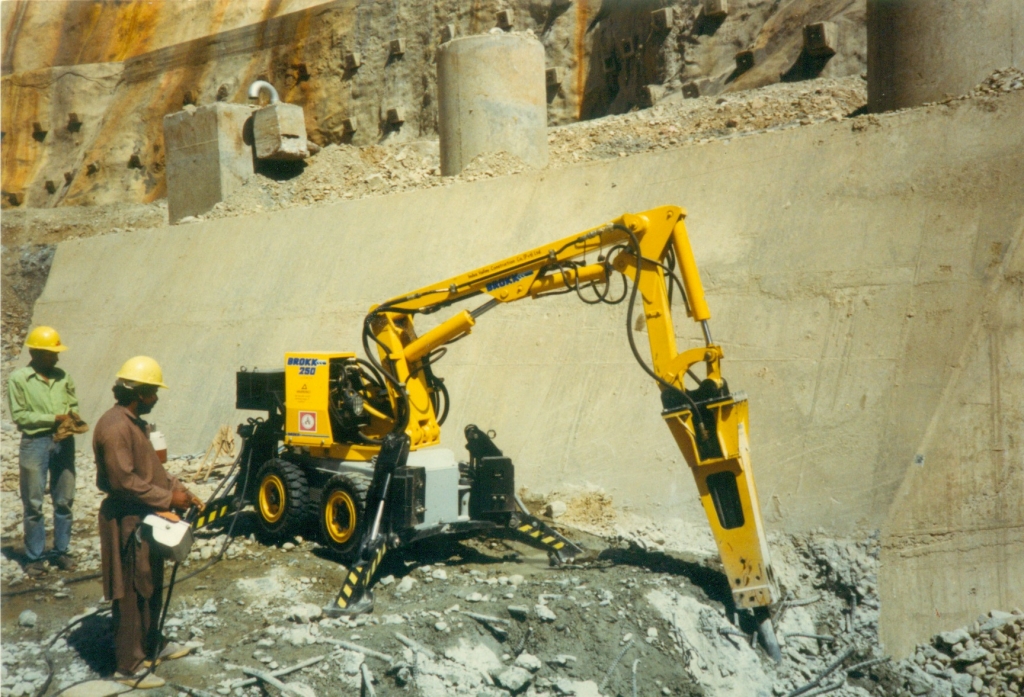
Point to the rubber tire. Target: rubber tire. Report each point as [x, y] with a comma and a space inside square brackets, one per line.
[766, 632]
[355, 486]
[296, 504]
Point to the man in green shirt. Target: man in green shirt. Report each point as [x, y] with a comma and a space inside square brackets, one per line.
[41, 396]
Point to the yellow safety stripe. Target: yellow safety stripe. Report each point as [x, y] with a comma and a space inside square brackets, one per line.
[212, 516]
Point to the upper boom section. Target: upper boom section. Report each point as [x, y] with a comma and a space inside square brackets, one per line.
[555, 265]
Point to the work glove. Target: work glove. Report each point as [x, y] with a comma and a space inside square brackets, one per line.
[68, 425]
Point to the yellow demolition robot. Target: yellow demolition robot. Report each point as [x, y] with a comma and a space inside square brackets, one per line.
[354, 443]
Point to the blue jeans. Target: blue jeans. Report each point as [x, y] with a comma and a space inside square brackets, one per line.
[39, 457]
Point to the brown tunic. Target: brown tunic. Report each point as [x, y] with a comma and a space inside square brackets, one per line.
[129, 471]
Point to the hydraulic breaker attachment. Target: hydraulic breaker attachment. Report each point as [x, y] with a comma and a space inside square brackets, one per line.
[355, 596]
[537, 533]
[711, 428]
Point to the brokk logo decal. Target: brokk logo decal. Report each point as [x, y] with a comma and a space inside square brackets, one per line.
[307, 366]
[508, 280]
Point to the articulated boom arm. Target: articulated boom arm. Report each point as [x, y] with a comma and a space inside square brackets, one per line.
[708, 423]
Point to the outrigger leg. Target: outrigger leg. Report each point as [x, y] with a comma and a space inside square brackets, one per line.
[355, 596]
[535, 532]
[489, 464]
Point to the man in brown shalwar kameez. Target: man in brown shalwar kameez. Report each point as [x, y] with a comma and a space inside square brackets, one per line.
[129, 471]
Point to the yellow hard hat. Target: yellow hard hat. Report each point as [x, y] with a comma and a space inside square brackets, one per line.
[143, 370]
[45, 339]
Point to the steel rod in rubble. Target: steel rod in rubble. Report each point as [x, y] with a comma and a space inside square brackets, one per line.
[824, 674]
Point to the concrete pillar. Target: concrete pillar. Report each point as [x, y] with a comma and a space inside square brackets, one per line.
[922, 50]
[208, 156]
[491, 97]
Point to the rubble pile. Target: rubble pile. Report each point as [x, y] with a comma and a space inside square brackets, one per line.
[1000, 81]
[680, 121]
[828, 617]
[986, 658]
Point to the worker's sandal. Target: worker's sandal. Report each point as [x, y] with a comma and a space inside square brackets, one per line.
[170, 652]
[140, 680]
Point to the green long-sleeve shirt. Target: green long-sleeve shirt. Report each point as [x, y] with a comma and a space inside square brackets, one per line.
[35, 404]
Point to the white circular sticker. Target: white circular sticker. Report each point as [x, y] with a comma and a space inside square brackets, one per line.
[307, 421]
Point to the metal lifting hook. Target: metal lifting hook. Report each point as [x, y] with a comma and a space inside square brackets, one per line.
[263, 86]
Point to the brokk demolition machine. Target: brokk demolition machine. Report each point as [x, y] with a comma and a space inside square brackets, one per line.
[355, 444]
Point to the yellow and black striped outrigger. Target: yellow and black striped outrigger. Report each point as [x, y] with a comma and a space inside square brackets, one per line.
[215, 510]
[357, 584]
[536, 532]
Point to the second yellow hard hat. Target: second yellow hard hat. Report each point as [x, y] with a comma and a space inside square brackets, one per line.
[143, 370]
[45, 339]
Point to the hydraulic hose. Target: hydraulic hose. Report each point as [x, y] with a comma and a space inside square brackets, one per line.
[629, 325]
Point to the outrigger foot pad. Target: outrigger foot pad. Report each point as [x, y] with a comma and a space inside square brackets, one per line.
[355, 596]
[537, 533]
[362, 605]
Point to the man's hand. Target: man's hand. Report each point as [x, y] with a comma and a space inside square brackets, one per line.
[179, 499]
[183, 498]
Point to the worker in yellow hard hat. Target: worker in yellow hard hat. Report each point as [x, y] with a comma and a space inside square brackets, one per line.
[129, 472]
[41, 398]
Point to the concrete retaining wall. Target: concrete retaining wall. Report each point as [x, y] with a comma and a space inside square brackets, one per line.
[865, 281]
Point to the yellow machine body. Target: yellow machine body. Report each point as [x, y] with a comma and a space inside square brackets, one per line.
[307, 410]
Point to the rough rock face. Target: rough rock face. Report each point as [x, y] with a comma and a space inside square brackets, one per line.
[86, 84]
